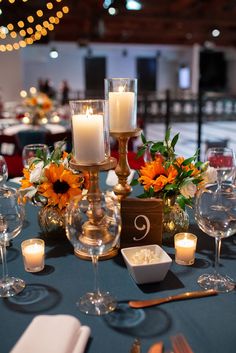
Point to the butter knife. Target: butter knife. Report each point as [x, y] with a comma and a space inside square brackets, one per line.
[136, 346]
[187, 295]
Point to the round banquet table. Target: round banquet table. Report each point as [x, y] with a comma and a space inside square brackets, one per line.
[208, 323]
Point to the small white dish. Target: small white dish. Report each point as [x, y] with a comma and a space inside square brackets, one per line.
[147, 272]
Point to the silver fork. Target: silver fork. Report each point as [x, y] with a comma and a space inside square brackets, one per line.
[180, 344]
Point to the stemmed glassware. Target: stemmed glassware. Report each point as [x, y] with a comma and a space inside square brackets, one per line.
[30, 152]
[215, 213]
[93, 225]
[3, 171]
[222, 159]
[11, 222]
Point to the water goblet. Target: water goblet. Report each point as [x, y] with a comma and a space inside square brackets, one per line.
[93, 225]
[3, 171]
[215, 213]
[222, 159]
[11, 222]
[32, 151]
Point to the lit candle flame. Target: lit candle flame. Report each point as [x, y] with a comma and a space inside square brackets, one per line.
[89, 111]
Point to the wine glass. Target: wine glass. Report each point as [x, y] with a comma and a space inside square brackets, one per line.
[93, 225]
[222, 159]
[30, 152]
[3, 171]
[215, 213]
[11, 222]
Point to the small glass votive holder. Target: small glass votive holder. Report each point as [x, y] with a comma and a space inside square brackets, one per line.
[185, 248]
[33, 252]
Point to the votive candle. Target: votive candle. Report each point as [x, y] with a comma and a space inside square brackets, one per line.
[33, 251]
[185, 248]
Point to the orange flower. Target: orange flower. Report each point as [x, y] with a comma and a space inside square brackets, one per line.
[60, 185]
[191, 166]
[25, 182]
[153, 174]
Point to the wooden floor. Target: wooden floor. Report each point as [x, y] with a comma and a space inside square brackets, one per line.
[187, 144]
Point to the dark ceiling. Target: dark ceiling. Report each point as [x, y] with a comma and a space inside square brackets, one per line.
[158, 22]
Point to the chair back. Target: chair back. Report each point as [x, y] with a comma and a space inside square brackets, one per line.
[26, 137]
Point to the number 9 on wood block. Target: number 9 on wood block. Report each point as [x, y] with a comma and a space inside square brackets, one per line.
[141, 222]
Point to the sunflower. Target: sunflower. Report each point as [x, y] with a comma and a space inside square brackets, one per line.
[154, 174]
[60, 185]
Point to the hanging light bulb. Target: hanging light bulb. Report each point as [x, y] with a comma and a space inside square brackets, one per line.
[53, 53]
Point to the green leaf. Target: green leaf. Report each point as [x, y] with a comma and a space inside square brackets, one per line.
[188, 160]
[143, 138]
[174, 140]
[141, 151]
[167, 136]
[134, 182]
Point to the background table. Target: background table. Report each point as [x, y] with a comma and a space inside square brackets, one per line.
[208, 323]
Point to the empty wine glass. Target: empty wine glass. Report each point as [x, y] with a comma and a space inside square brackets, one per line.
[3, 171]
[11, 222]
[215, 213]
[93, 226]
[222, 159]
[30, 152]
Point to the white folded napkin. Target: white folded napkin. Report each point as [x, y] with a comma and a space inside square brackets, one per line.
[53, 334]
[112, 178]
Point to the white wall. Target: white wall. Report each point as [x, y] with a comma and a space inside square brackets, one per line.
[11, 75]
[22, 69]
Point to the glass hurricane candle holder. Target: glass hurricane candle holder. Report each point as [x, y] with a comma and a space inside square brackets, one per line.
[121, 94]
[90, 131]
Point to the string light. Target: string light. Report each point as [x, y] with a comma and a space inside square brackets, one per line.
[34, 33]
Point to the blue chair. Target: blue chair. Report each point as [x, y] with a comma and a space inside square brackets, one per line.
[26, 137]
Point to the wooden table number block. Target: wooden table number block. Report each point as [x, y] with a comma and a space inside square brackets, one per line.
[141, 222]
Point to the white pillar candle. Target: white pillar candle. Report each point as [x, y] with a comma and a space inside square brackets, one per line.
[122, 111]
[33, 254]
[88, 138]
[185, 247]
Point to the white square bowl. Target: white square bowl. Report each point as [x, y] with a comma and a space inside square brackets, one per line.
[150, 272]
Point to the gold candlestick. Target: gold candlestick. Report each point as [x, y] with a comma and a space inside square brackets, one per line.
[94, 188]
[123, 189]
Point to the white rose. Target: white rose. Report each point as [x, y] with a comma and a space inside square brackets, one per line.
[37, 172]
[210, 175]
[188, 189]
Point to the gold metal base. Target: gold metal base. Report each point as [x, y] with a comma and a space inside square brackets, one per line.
[123, 189]
[108, 255]
[93, 170]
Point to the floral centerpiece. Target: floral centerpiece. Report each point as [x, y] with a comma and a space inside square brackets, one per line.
[50, 183]
[172, 178]
[38, 105]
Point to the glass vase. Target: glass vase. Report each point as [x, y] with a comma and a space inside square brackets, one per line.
[175, 220]
[52, 222]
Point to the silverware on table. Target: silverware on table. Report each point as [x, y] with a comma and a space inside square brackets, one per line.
[136, 346]
[187, 295]
[180, 344]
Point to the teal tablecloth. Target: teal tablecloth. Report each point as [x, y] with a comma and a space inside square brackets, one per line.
[208, 323]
